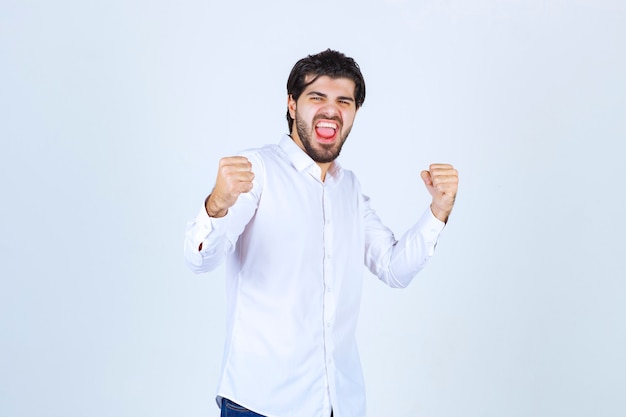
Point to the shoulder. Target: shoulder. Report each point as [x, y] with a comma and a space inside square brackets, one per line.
[261, 153]
[348, 178]
[259, 156]
[262, 159]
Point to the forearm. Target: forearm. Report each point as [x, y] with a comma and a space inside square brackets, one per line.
[397, 262]
[206, 244]
[213, 234]
[415, 248]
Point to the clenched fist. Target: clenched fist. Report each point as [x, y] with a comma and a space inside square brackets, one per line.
[234, 176]
[442, 182]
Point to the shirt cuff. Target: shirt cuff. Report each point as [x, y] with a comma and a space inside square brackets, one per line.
[430, 227]
[206, 225]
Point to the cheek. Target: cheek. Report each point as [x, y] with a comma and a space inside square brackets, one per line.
[305, 113]
[348, 119]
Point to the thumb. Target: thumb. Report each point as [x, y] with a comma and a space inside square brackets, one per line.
[426, 178]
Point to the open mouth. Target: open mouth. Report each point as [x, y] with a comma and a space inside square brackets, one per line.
[326, 131]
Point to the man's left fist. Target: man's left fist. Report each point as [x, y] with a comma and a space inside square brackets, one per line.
[442, 182]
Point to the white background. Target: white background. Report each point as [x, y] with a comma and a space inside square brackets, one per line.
[113, 115]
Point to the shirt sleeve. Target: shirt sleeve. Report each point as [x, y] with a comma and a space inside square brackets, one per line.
[396, 262]
[218, 236]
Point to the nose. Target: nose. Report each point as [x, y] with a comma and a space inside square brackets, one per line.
[330, 111]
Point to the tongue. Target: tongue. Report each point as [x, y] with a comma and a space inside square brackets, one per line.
[325, 132]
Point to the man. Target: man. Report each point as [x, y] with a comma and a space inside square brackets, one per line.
[295, 231]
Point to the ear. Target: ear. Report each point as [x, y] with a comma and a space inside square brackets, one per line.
[291, 106]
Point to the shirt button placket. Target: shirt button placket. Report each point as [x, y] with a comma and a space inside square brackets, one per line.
[329, 299]
[329, 305]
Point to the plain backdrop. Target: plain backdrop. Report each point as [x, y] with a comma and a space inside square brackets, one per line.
[113, 115]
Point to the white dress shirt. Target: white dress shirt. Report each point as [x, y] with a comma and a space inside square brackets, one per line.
[294, 249]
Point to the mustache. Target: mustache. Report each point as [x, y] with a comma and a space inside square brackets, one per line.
[328, 117]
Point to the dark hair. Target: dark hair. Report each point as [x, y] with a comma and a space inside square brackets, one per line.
[330, 63]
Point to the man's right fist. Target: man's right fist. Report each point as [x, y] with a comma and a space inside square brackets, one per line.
[234, 176]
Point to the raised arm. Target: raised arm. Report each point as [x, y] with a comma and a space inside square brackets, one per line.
[396, 262]
[225, 213]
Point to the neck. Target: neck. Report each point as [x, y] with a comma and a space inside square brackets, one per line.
[324, 166]
[323, 169]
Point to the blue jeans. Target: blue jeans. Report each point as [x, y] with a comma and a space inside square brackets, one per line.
[231, 409]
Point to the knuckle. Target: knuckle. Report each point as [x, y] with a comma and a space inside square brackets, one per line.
[225, 172]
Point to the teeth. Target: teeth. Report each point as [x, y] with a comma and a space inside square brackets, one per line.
[327, 124]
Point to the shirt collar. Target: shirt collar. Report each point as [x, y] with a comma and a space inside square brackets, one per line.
[303, 162]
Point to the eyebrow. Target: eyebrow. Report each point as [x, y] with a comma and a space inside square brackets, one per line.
[317, 93]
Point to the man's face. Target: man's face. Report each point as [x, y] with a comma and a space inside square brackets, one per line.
[323, 114]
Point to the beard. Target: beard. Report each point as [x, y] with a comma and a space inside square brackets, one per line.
[320, 152]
